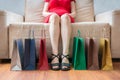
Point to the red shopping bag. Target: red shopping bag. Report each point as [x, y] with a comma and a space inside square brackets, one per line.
[43, 60]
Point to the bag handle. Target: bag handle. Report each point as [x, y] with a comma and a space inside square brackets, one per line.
[104, 30]
[19, 33]
[78, 33]
[31, 34]
[43, 33]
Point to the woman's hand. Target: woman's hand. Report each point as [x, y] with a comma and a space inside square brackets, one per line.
[45, 10]
[73, 9]
[45, 14]
[73, 14]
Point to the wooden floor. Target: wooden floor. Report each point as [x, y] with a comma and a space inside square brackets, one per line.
[6, 74]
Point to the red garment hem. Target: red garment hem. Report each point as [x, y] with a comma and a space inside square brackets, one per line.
[47, 19]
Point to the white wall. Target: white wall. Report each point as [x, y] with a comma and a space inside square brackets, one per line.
[18, 5]
[106, 5]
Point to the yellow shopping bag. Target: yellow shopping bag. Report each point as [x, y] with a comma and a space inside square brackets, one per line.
[105, 55]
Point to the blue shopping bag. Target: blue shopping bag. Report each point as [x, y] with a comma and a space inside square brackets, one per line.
[30, 54]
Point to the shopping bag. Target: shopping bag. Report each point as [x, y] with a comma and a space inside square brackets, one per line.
[91, 48]
[43, 60]
[79, 61]
[30, 54]
[105, 59]
[17, 55]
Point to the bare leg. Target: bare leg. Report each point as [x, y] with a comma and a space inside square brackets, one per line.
[54, 35]
[66, 34]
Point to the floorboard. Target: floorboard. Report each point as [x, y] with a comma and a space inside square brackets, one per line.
[6, 74]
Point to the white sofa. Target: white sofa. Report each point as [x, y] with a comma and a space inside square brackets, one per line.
[102, 25]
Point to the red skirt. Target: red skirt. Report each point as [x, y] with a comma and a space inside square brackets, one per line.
[60, 12]
[47, 19]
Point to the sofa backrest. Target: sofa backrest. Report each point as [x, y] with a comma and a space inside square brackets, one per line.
[34, 8]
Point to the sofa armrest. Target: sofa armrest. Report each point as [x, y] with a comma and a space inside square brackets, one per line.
[10, 17]
[5, 19]
[113, 18]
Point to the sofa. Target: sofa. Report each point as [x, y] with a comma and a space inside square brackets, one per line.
[14, 26]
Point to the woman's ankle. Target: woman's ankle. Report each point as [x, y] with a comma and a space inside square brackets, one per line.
[55, 58]
[65, 58]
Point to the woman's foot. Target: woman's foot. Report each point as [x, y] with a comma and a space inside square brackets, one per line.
[65, 65]
[55, 65]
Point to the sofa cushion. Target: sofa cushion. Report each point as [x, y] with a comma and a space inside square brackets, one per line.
[88, 29]
[34, 8]
[84, 10]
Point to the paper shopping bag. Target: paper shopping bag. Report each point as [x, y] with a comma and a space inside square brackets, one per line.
[43, 60]
[17, 55]
[30, 55]
[105, 58]
[79, 61]
[91, 49]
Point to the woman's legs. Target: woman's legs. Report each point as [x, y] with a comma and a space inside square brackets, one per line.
[54, 35]
[66, 34]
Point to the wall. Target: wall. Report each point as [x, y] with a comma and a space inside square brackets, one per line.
[18, 5]
[106, 5]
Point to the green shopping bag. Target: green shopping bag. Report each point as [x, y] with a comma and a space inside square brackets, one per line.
[78, 59]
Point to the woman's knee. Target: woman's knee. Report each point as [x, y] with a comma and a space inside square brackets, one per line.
[54, 18]
[65, 17]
